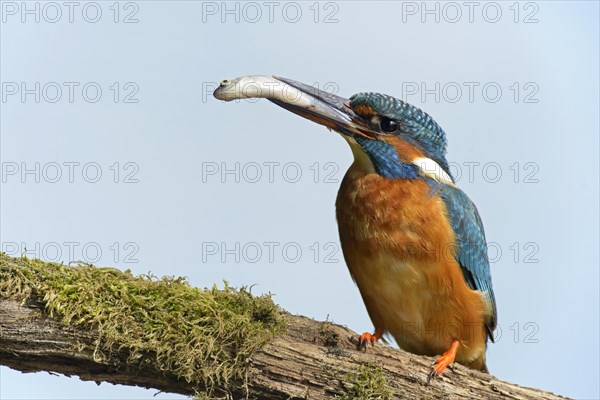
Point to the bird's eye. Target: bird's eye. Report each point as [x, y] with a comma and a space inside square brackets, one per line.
[388, 125]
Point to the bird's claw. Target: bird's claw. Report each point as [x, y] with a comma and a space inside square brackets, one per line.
[433, 373]
[441, 363]
[439, 366]
[365, 339]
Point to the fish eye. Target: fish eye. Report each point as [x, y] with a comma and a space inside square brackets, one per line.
[388, 125]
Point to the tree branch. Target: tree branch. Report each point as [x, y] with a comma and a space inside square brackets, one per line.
[309, 360]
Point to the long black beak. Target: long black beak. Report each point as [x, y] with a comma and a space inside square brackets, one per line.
[307, 101]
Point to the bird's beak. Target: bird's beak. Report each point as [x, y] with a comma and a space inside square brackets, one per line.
[314, 104]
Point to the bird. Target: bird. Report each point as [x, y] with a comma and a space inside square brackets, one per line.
[414, 243]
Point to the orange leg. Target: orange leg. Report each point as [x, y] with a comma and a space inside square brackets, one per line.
[446, 359]
[367, 338]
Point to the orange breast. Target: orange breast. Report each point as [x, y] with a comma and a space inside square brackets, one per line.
[399, 248]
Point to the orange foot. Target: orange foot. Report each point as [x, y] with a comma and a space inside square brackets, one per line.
[446, 359]
[366, 338]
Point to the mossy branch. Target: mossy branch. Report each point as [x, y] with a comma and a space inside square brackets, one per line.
[105, 325]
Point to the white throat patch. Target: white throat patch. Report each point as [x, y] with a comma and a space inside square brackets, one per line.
[362, 162]
[427, 167]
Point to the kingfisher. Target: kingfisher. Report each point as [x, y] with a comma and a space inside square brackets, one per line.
[413, 242]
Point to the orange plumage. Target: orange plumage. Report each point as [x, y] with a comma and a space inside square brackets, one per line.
[399, 248]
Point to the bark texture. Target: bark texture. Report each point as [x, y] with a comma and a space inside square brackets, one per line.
[312, 360]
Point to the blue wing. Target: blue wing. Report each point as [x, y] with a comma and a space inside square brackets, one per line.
[471, 252]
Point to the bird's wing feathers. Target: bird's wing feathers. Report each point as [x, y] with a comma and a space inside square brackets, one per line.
[471, 250]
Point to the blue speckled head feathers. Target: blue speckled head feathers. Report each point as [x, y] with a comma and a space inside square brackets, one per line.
[414, 124]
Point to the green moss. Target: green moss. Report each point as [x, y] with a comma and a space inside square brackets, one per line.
[368, 383]
[202, 336]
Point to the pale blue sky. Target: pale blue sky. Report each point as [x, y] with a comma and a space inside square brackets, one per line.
[527, 155]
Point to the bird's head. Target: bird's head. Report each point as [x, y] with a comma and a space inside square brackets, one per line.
[387, 135]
